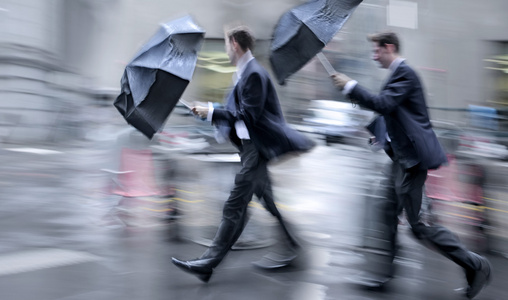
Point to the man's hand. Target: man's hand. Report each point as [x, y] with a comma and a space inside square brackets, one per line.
[201, 111]
[340, 80]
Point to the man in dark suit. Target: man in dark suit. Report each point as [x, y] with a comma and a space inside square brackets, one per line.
[253, 121]
[414, 149]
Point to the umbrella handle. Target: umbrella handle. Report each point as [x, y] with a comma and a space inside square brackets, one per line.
[324, 61]
[187, 104]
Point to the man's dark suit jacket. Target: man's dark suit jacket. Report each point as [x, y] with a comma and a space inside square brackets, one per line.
[402, 104]
[254, 101]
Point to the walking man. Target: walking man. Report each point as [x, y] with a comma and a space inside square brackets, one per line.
[414, 149]
[253, 122]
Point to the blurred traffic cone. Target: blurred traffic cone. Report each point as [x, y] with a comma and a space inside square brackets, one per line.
[136, 177]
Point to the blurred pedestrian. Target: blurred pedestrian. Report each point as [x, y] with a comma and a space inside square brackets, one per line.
[414, 149]
[253, 122]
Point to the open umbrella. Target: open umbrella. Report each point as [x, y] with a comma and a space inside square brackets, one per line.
[303, 31]
[157, 76]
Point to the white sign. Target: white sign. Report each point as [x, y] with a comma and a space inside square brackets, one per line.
[402, 14]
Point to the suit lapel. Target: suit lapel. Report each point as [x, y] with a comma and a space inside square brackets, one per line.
[240, 84]
[232, 99]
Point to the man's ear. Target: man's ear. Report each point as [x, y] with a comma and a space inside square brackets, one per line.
[390, 47]
[234, 44]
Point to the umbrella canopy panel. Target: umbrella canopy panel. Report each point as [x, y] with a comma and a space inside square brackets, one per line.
[157, 76]
[172, 49]
[304, 31]
[150, 115]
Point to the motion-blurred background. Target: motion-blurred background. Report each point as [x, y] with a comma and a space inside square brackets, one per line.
[86, 197]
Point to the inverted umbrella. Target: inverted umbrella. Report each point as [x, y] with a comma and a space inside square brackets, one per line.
[304, 31]
[157, 76]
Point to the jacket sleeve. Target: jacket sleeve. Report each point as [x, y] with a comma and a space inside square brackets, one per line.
[251, 102]
[395, 92]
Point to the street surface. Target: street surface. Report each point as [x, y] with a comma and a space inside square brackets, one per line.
[66, 236]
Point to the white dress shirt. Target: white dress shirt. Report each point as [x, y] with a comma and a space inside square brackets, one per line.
[241, 129]
[395, 64]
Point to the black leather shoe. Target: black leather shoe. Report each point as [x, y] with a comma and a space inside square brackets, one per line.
[480, 278]
[198, 267]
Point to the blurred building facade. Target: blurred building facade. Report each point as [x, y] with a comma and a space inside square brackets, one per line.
[55, 55]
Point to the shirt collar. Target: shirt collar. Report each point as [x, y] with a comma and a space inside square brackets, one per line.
[242, 63]
[395, 64]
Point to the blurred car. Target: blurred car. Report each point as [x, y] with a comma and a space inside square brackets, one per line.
[336, 122]
[470, 142]
[482, 144]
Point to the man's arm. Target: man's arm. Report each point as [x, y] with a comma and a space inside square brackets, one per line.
[389, 98]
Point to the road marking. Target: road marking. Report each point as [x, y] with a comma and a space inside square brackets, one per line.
[161, 201]
[34, 150]
[466, 206]
[496, 209]
[480, 208]
[187, 201]
[157, 210]
[497, 200]
[255, 204]
[184, 191]
[464, 216]
[33, 260]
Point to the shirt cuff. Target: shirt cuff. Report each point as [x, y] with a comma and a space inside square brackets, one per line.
[350, 85]
[210, 112]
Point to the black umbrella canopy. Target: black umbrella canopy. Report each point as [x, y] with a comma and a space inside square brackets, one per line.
[304, 31]
[157, 76]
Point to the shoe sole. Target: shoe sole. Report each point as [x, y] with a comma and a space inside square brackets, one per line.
[487, 279]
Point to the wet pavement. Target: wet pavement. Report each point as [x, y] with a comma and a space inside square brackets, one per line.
[66, 236]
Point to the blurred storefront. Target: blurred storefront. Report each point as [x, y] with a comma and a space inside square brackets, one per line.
[58, 54]
[497, 81]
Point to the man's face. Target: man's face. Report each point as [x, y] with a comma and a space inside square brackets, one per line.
[382, 54]
[230, 50]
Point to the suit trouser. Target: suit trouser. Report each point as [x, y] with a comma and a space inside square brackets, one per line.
[404, 191]
[252, 178]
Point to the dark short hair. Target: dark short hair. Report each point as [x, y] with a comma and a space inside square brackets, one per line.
[383, 38]
[243, 36]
